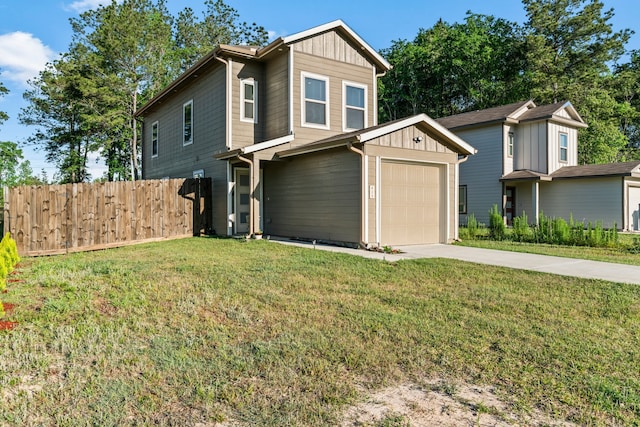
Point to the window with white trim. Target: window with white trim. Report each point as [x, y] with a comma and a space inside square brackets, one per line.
[198, 173]
[315, 101]
[462, 199]
[354, 101]
[564, 147]
[249, 101]
[154, 139]
[510, 142]
[187, 123]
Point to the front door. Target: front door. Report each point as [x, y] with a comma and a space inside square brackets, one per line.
[510, 204]
[243, 198]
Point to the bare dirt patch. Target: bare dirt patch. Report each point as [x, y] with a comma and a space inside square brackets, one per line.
[439, 403]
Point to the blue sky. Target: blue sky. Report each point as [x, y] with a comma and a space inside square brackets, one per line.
[33, 32]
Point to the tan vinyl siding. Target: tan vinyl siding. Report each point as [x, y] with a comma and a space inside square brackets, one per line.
[564, 114]
[174, 159]
[633, 201]
[554, 146]
[245, 133]
[336, 72]
[531, 147]
[276, 97]
[594, 199]
[372, 237]
[314, 196]
[481, 172]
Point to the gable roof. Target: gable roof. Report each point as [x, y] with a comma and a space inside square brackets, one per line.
[582, 171]
[254, 52]
[370, 133]
[518, 112]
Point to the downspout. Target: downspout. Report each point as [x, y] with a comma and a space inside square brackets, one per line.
[456, 235]
[228, 134]
[363, 192]
[251, 172]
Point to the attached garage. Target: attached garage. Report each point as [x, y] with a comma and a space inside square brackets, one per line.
[403, 177]
[412, 203]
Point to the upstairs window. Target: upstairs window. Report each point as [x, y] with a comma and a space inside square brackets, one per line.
[187, 123]
[510, 144]
[154, 139]
[315, 101]
[564, 147]
[249, 101]
[355, 106]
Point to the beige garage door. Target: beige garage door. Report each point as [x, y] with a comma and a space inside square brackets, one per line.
[411, 197]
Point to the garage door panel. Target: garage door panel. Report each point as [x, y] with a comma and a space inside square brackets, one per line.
[411, 203]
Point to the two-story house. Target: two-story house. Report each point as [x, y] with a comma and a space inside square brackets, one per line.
[289, 135]
[528, 162]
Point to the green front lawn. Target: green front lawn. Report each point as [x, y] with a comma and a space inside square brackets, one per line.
[198, 330]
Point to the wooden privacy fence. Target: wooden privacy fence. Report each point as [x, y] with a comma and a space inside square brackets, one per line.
[54, 219]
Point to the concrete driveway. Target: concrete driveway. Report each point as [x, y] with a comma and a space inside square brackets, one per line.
[621, 273]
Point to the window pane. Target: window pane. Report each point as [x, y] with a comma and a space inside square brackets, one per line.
[244, 199]
[355, 119]
[248, 110]
[355, 97]
[315, 113]
[315, 89]
[248, 92]
[244, 180]
[187, 123]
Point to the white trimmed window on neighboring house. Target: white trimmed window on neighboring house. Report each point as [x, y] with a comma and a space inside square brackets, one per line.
[354, 103]
[315, 101]
[564, 147]
[249, 100]
[187, 123]
[154, 139]
[198, 173]
[510, 143]
[462, 199]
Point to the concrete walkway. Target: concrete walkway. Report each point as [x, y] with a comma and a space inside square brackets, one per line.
[621, 273]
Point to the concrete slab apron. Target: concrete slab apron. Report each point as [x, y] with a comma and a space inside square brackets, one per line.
[548, 264]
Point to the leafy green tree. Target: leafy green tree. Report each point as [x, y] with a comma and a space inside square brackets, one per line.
[3, 91]
[57, 109]
[220, 24]
[452, 68]
[570, 44]
[627, 89]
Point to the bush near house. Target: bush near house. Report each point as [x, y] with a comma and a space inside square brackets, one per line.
[8, 260]
[549, 230]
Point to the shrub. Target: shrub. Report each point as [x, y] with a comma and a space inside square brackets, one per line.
[472, 227]
[497, 227]
[521, 231]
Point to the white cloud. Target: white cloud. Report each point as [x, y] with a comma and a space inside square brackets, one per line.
[84, 5]
[22, 56]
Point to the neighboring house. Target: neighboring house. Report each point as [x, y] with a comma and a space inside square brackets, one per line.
[528, 162]
[289, 135]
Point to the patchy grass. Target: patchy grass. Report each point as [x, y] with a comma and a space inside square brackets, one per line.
[204, 330]
[628, 251]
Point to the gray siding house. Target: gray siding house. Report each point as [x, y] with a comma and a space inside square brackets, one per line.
[289, 135]
[528, 162]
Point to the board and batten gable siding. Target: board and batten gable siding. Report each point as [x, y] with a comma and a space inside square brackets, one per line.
[314, 196]
[400, 146]
[531, 147]
[329, 55]
[174, 159]
[481, 173]
[246, 133]
[275, 103]
[554, 146]
[587, 199]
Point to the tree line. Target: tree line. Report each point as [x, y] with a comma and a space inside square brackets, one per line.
[567, 50]
[122, 54]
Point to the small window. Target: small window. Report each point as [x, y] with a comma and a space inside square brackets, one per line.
[462, 199]
[199, 173]
[510, 142]
[564, 147]
[187, 123]
[249, 101]
[154, 139]
[355, 106]
[315, 94]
